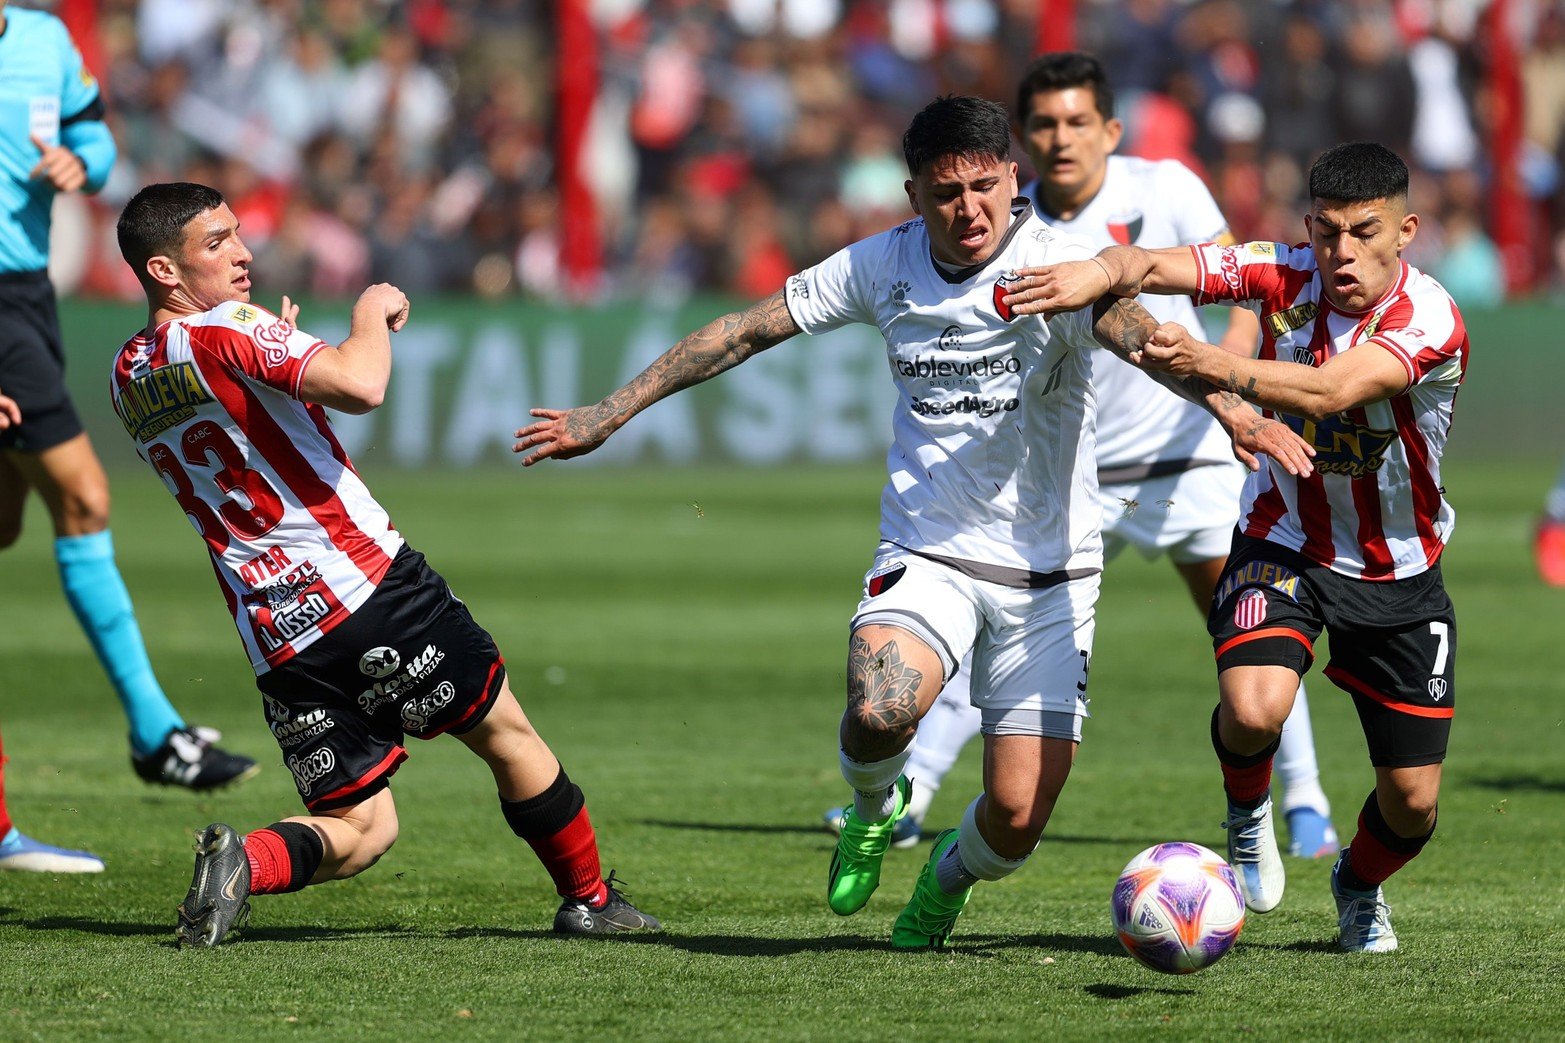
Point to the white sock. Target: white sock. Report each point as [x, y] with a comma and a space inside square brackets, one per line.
[1295, 763]
[874, 784]
[971, 858]
[923, 796]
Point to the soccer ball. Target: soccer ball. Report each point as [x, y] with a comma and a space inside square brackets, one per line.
[1177, 908]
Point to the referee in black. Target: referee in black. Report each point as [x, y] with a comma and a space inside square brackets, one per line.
[52, 139]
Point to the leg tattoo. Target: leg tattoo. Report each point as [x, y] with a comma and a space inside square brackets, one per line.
[882, 701]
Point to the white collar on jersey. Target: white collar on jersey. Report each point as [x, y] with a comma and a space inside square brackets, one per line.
[1021, 210]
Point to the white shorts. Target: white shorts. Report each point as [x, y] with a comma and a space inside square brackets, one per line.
[1031, 648]
[1189, 516]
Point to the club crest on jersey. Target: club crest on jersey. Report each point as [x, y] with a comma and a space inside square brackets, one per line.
[245, 314]
[1255, 574]
[1250, 611]
[1343, 446]
[1126, 228]
[899, 292]
[884, 578]
[1002, 286]
[160, 399]
[1297, 317]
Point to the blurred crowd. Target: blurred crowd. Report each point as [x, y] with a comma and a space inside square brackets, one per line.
[734, 141]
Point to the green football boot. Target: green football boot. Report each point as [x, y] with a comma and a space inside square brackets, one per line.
[861, 846]
[926, 921]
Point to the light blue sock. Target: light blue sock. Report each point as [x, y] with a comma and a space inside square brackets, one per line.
[102, 605]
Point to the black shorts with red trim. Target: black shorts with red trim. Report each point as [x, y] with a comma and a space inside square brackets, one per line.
[32, 364]
[1393, 643]
[410, 661]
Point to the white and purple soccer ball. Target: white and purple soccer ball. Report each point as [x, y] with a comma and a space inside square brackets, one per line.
[1178, 908]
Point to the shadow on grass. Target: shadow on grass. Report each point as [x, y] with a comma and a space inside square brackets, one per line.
[734, 827]
[1318, 946]
[1094, 944]
[1531, 782]
[817, 830]
[704, 944]
[121, 929]
[1126, 992]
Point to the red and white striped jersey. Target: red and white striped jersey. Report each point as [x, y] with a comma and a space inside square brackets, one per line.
[296, 539]
[1375, 508]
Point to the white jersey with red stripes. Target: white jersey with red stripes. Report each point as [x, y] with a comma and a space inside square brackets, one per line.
[297, 541]
[1375, 508]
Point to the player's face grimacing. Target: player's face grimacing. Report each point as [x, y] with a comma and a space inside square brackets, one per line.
[213, 265]
[1358, 247]
[1069, 143]
[965, 202]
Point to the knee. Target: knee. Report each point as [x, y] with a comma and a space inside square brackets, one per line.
[867, 727]
[375, 832]
[1013, 829]
[84, 507]
[1411, 812]
[1254, 718]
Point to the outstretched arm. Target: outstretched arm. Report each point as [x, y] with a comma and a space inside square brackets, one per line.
[1123, 271]
[1345, 381]
[719, 345]
[1125, 328]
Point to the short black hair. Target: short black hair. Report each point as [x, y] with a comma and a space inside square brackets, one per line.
[1063, 70]
[973, 128]
[154, 220]
[1357, 172]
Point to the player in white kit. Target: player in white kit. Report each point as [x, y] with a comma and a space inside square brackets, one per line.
[989, 520]
[355, 641]
[1166, 475]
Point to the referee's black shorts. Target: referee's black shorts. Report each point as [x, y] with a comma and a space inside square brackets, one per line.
[32, 364]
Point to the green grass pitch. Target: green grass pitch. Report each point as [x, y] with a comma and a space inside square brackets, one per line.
[678, 636]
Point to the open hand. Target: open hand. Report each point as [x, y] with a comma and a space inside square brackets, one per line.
[562, 433]
[1057, 287]
[1278, 441]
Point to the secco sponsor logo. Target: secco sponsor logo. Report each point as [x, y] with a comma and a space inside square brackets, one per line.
[933, 368]
[312, 768]
[983, 407]
[417, 712]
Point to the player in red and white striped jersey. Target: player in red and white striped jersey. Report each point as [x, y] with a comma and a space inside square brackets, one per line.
[1362, 355]
[355, 640]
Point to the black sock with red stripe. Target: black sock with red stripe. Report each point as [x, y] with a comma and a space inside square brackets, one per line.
[1376, 851]
[283, 857]
[1246, 779]
[556, 826]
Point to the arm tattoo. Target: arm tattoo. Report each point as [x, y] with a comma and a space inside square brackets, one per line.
[882, 700]
[1246, 391]
[715, 347]
[1123, 326]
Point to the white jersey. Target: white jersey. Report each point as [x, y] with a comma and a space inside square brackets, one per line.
[297, 541]
[1144, 429]
[991, 464]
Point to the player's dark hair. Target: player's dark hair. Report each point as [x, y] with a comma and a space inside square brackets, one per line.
[971, 128]
[154, 220]
[1358, 172]
[1063, 70]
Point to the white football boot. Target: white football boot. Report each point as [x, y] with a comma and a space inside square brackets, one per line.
[1363, 917]
[1252, 851]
